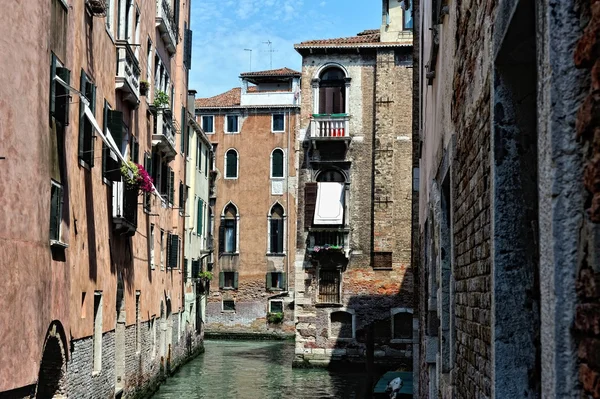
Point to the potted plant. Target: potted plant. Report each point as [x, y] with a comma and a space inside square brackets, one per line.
[144, 85]
[135, 176]
[205, 276]
[161, 99]
[275, 317]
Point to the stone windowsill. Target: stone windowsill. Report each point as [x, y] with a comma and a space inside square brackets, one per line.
[58, 244]
[328, 305]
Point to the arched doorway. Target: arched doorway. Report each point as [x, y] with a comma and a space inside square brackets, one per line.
[53, 368]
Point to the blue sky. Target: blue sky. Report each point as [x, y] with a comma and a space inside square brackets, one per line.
[224, 28]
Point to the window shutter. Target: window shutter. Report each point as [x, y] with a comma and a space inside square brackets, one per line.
[176, 18]
[169, 250]
[206, 162]
[55, 200]
[187, 52]
[269, 281]
[277, 163]
[279, 236]
[52, 84]
[115, 126]
[310, 201]
[181, 197]
[235, 225]
[62, 97]
[199, 229]
[148, 167]
[183, 130]
[82, 117]
[135, 150]
[173, 250]
[322, 100]
[222, 237]
[185, 267]
[235, 280]
[171, 186]
[221, 280]
[231, 167]
[195, 268]
[283, 281]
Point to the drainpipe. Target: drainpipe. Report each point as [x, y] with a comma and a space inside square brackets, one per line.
[287, 200]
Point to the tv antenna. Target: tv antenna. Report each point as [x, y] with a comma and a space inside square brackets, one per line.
[249, 50]
[270, 51]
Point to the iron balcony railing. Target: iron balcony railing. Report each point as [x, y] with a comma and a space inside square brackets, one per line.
[167, 26]
[125, 202]
[324, 240]
[335, 126]
[128, 72]
[164, 133]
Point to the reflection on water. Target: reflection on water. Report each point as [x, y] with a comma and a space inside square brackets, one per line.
[257, 370]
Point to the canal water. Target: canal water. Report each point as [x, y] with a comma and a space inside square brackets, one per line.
[257, 370]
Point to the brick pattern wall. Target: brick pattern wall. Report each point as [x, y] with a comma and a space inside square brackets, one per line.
[587, 317]
[471, 202]
[82, 381]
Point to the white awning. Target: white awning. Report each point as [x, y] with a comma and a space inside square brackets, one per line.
[330, 203]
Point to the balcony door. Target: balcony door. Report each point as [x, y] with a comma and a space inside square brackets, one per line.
[332, 92]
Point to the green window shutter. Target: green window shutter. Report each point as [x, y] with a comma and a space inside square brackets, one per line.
[55, 211]
[148, 167]
[185, 267]
[62, 96]
[236, 283]
[182, 143]
[172, 186]
[82, 117]
[195, 268]
[222, 237]
[283, 281]
[199, 229]
[52, 84]
[221, 280]
[135, 150]
[269, 281]
[173, 251]
[104, 147]
[168, 255]
[181, 204]
[277, 167]
[206, 162]
[231, 167]
[115, 126]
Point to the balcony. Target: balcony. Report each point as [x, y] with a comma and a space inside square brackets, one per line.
[330, 134]
[128, 73]
[327, 241]
[125, 202]
[163, 136]
[165, 22]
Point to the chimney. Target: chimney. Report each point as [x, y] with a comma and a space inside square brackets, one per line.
[191, 102]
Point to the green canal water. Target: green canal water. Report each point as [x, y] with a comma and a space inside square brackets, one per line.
[257, 370]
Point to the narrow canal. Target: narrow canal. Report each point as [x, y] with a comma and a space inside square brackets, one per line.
[257, 370]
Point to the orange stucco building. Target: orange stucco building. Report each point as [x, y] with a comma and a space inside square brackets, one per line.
[253, 130]
[93, 287]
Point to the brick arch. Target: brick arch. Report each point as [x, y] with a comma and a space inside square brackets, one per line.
[53, 367]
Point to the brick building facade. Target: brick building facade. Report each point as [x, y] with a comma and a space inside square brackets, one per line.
[508, 235]
[253, 130]
[352, 271]
[93, 301]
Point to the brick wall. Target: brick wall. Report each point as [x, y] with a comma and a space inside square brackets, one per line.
[587, 317]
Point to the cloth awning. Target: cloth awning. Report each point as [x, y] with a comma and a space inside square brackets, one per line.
[330, 204]
[107, 138]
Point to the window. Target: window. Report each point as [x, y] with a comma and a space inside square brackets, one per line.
[228, 230]
[206, 162]
[341, 325]
[56, 203]
[162, 252]
[86, 129]
[278, 123]
[59, 94]
[402, 325]
[231, 164]
[199, 226]
[228, 280]
[329, 286]
[110, 6]
[332, 92]
[152, 263]
[231, 124]
[277, 164]
[382, 260]
[97, 334]
[276, 306]
[276, 230]
[173, 250]
[407, 7]
[208, 124]
[275, 281]
[228, 306]
[149, 66]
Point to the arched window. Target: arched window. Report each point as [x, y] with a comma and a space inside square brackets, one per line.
[332, 91]
[276, 230]
[228, 230]
[231, 164]
[331, 176]
[277, 164]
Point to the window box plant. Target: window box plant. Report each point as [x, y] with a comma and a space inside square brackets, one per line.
[134, 175]
[275, 317]
[161, 99]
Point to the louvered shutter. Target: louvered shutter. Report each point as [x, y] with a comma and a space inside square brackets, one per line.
[173, 250]
[181, 203]
[195, 268]
[185, 267]
[310, 201]
[269, 281]
[182, 123]
[206, 162]
[222, 237]
[62, 97]
[135, 151]
[199, 228]
[279, 235]
[115, 126]
[82, 117]
[53, 85]
[283, 281]
[236, 280]
[221, 280]
[172, 186]
[188, 48]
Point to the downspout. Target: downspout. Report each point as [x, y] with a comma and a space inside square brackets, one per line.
[287, 200]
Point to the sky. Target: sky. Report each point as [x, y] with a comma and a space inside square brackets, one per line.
[223, 29]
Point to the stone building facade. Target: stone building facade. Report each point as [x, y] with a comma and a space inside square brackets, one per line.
[253, 132]
[93, 299]
[507, 216]
[354, 298]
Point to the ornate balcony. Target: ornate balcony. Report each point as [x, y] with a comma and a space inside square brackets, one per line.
[324, 241]
[125, 202]
[128, 73]
[329, 136]
[163, 136]
[165, 22]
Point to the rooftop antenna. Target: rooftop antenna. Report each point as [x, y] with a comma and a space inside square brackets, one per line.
[250, 50]
[270, 51]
